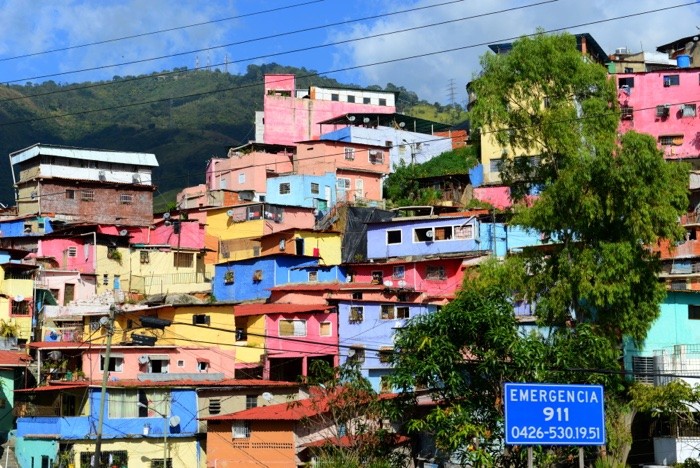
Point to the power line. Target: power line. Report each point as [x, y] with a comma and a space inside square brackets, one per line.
[355, 67]
[152, 33]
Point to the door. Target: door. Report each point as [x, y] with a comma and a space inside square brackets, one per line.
[359, 188]
[68, 293]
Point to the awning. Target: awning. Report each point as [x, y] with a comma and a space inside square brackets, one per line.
[158, 357]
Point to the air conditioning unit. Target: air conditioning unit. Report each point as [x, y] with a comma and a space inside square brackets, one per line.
[102, 176]
[663, 110]
[376, 157]
[136, 179]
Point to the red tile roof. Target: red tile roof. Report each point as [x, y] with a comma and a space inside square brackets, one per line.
[14, 358]
[54, 387]
[292, 411]
[244, 310]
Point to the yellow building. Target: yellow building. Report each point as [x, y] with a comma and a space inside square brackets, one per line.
[16, 300]
[144, 452]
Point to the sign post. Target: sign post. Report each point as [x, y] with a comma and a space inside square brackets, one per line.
[553, 414]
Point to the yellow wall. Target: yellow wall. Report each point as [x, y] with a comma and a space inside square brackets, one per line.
[255, 346]
[181, 332]
[219, 224]
[329, 245]
[490, 149]
[183, 452]
[13, 288]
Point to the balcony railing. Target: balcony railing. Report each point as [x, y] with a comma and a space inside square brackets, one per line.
[147, 284]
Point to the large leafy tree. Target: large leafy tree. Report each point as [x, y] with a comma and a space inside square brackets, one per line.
[603, 203]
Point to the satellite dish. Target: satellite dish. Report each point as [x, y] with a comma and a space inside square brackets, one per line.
[143, 359]
[229, 213]
[351, 118]
[429, 234]
[174, 421]
[167, 223]
[18, 298]
[166, 215]
[104, 321]
[402, 284]
[123, 232]
[267, 396]
[388, 283]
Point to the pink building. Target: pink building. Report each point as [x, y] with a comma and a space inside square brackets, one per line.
[295, 336]
[292, 115]
[663, 104]
[247, 167]
[359, 169]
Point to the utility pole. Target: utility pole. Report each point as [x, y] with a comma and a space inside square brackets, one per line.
[109, 325]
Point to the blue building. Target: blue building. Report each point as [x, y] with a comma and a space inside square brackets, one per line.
[59, 423]
[251, 279]
[366, 330]
[305, 190]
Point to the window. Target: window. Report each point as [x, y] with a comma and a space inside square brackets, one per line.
[442, 233]
[257, 275]
[241, 334]
[342, 184]
[313, 276]
[356, 314]
[436, 272]
[87, 195]
[663, 111]
[241, 429]
[694, 312]
[670, 140]
[116, 363]
[144, 256]
[385, 354]
[110, 458]
[241, 177]
[643, 368]
[183, 260]
[351, 98]
[688, 110]
[335, 97]
[285, 188]
[357, 295]
[158, 463]
[382, 102]
[72, 252]
[292, 328]
[228, 277]
[180, 363]
[399, 272]
[384, 385]
[315, 189]
[70, 194]
[423, 235]
[377, 277]
[672, 80]
[356, 354]
[495, 165]
[158, 364]
[627, 113]
[325, 329]
[214, 405]
[105, 279]
[629, 70]
[202, 366]
[350, 154]
[366, 100]
[402, 312]
[20, 308]
[464, 232]
[376, 157]
[629, 82]
[126, 198]
[251, 401]
[388, 312]
[201, 319]
[393, 237]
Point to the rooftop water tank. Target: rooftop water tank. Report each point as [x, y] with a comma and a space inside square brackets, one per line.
[683, 61]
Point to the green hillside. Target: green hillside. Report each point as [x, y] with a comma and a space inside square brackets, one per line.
[184, 117]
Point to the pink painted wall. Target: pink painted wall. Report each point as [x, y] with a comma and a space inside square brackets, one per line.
[219, 361]
[415, 276]
[246, 171]
[83, 262]
[312, 343]
[320, 157]
[191, 235]
[294, 217]
[289, 119]
[498, 196]
[648, 92]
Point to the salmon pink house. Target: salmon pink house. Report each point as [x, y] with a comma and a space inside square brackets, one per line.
[662, 103]
[295, 336]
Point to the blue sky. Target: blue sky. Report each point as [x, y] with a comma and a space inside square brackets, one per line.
[40, 26]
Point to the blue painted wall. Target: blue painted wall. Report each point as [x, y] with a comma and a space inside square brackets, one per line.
[372, 333]
[276, 270]
[15, 227]
[300, 190]
[377, 246]
[29, 452]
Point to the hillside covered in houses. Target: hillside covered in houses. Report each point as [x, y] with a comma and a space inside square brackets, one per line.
[345, 283]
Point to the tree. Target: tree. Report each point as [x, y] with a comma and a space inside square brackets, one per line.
[603, 203]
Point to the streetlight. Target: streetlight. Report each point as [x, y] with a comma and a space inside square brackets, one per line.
[174, 421]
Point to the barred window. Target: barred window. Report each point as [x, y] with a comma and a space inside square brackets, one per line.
[87, 195]
[126, 198]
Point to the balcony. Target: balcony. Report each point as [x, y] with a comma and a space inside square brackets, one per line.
[679, 360]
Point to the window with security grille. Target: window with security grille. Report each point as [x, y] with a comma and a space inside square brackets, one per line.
[285, 188]
[251, 401]
[689, 110]
[20, 308]
[126, 198]
[642, 368]
[402, 312]
[241, 429]
[357, 314]
[87, 195]
[388, 312]
[435, 272]
[183, 260]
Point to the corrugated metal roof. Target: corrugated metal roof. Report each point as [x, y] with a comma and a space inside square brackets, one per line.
[117, 157]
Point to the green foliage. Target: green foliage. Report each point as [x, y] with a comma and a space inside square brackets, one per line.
[402, 187]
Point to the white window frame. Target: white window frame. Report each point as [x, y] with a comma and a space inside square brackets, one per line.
[359, 188]
[438, 268]
[118, 363]
[313, 276]
[126, 198]
[343, 183]
[349, 153]
[360, 314]
[400, 236]
[456, 231]
[241, 177]
[390, 311]
[240, 430]
[399, 272]
[315, 188]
